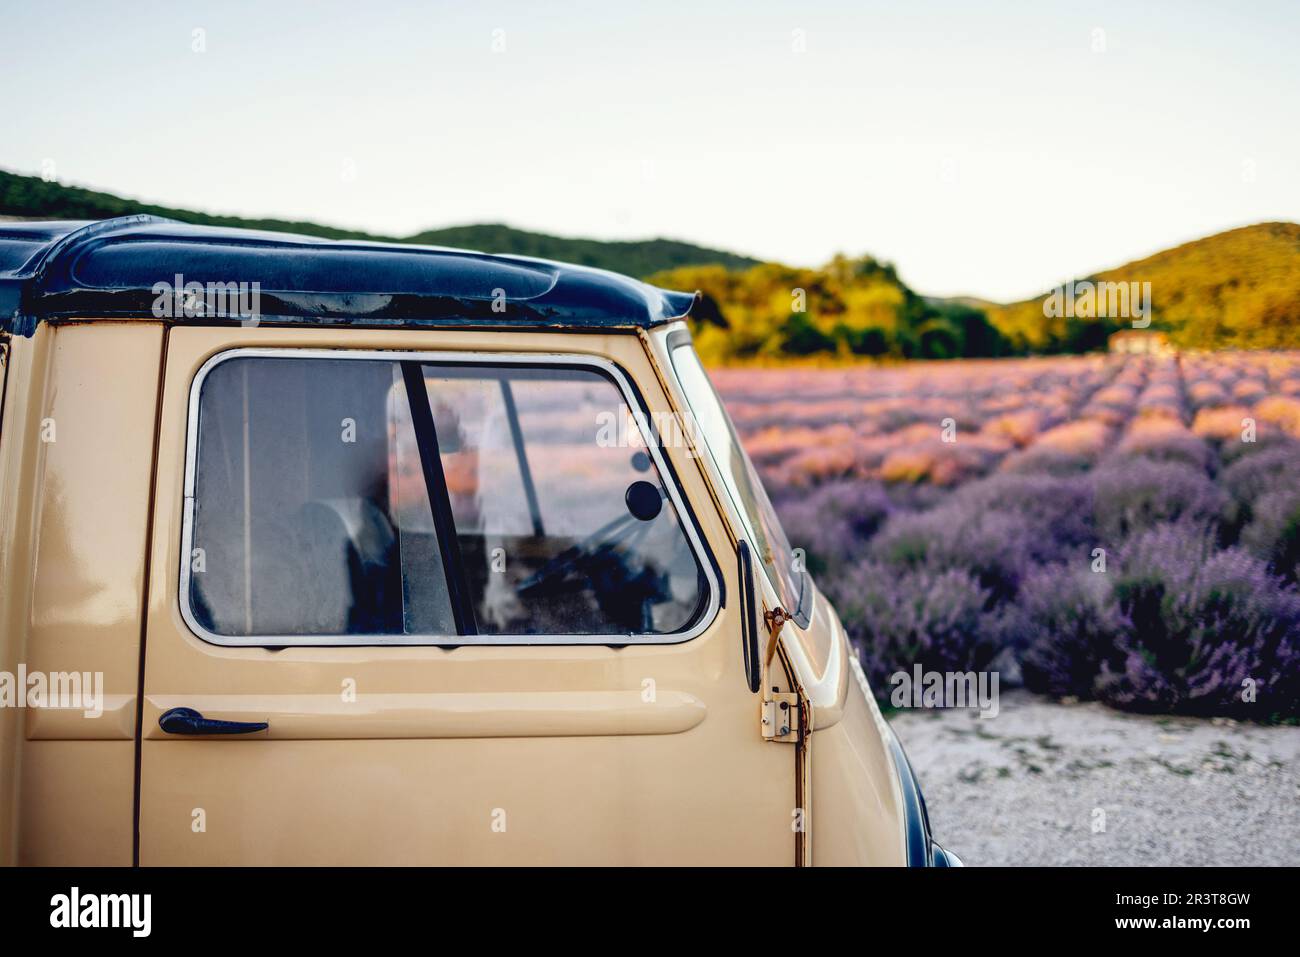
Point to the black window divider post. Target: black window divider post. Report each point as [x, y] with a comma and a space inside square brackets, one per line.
[435, 481]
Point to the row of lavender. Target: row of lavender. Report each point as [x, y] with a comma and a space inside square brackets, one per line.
[1125, 529]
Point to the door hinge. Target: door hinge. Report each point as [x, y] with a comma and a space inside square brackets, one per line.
[775, 618]
[781, 718]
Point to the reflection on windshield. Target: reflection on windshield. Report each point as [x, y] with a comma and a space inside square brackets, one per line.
[742, 481]
[539, 503]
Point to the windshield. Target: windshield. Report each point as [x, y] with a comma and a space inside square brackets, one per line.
[741, 479]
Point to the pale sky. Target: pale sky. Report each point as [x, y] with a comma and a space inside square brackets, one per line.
[985, 148]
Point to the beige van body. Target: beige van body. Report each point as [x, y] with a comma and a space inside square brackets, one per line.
[454, 753]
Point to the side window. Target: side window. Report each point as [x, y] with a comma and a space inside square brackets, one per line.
[371, 499]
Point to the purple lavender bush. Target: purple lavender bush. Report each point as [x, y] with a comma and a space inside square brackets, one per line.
[1274, 532]
[992, 546]
[1234, 450]
[1136, 494]
[1178, 446]
[1057, 509]
[915, 496]
[1252, 477]
[1048, 461]
[833, 522]
[1210, 631]
[899, 618]
[1064, 622]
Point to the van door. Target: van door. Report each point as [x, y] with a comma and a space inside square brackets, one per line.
[442, 606]
[848, 788]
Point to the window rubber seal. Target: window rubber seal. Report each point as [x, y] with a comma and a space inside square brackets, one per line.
[712, 599]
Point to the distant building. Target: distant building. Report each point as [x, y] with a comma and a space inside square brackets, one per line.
[1141, 342]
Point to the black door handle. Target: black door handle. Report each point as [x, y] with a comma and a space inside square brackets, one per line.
[189, 721]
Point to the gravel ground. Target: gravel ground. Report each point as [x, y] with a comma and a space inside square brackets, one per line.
[1026, 787]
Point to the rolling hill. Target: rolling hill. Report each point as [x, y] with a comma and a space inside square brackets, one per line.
[1235, 289]
[1238, 289]
[32, 197]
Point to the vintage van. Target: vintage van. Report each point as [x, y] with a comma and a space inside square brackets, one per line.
[324, 552]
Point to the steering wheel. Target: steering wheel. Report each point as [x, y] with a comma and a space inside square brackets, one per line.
[607, 536]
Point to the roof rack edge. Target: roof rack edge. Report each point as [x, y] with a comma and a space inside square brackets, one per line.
[40, 288]
[15, 289]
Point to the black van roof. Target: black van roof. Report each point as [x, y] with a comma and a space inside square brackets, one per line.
[130, 267]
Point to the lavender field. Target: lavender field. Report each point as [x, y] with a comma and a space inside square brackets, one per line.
[1108, 527]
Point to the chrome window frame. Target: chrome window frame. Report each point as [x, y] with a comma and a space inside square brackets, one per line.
[686, 518]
